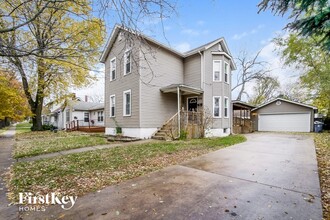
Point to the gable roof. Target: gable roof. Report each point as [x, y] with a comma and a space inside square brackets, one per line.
[116, 30]
[285, 100]
[85, 106]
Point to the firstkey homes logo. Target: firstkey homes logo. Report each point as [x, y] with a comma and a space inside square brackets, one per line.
[30, 202]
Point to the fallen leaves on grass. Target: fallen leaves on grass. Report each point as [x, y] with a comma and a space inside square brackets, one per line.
[48, 142]
[78, 174]
[322, 142]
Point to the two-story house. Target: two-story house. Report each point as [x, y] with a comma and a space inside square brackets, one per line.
[147, 82]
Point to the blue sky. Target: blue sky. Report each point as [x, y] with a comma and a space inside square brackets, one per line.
[197, 22]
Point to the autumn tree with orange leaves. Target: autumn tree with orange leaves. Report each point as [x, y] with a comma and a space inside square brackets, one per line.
[13, 102]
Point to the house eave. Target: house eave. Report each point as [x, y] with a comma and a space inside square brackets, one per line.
[284, 100]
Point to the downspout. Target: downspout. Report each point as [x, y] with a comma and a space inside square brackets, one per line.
[202, 72]
[178, 91]
[202, 79]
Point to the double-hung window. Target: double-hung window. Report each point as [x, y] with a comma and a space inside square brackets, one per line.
[127, 102]
[67, 115]
[128, 62]
[100, 116]
[86, 117]
[112, 105]
[217, 70]
[216, 106]
[226, 72]
[226, 107]
[113, 69]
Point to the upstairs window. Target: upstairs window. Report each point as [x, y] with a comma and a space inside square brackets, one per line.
[226, 107]
[113, 69]
[127, 100]
[112, 105]
[216, 106]
[217, 70]
[128, 62]
[226, 73]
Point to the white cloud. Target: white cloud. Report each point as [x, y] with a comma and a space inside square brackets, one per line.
[200, 23]
[246, 33]
[239, 36]
[190, 32]
[183, 47]
[285, 74]
[96, 88]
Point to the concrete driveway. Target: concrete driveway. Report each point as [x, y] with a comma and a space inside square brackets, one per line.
[271, 176]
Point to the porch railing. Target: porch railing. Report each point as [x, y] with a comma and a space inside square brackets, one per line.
[191, 125]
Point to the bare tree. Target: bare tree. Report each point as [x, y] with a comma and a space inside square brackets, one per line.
[129, 13]
[266, 88]
[295, 92]
[249, 70]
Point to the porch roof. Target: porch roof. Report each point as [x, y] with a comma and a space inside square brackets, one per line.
[238, 105]
[184, 89]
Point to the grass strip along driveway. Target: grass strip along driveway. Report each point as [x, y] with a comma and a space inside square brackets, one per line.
[80, 173]
[37, 143]
[322, 142]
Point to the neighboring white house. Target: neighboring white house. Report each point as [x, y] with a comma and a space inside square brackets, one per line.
[79, 112]
[148, 83]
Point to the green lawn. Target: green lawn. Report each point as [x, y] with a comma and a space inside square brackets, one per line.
[78, 174]
[44, 142]
[322, 142]
[23, 127]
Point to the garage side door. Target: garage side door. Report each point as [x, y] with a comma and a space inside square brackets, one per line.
[284, 122]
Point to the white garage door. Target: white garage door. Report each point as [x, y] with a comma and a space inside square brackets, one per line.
[284, 122]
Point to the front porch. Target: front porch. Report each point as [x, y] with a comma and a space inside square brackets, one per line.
[188, 122]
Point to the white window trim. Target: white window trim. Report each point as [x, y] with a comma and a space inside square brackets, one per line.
[220, 63]
[113, 59]
[124, 103]
[125, 60]
[214, 97]
[228, 73]
[224, 106]
[114, 115]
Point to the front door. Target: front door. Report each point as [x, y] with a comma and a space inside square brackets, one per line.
[192, 104]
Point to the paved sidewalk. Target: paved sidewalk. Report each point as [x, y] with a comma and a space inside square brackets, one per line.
[83, 149]
[271, 176]
[6, 144]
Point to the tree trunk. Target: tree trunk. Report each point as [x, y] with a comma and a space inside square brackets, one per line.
[39, 102]
[36, 118]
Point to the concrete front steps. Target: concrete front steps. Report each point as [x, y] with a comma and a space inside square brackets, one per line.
[161, 134]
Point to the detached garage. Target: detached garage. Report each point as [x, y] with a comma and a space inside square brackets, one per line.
[284, 115]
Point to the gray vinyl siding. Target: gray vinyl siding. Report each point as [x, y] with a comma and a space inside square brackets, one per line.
[212, 89]
[192, 71]
[121, 84]
[163, 69]
[285, 107]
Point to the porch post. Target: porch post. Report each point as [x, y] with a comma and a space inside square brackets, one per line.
[179, 119]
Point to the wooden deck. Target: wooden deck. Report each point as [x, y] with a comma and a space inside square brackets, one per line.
[87, 129]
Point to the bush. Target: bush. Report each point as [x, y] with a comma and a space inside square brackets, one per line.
[47, 127]
[118, 130]
[183, 135]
